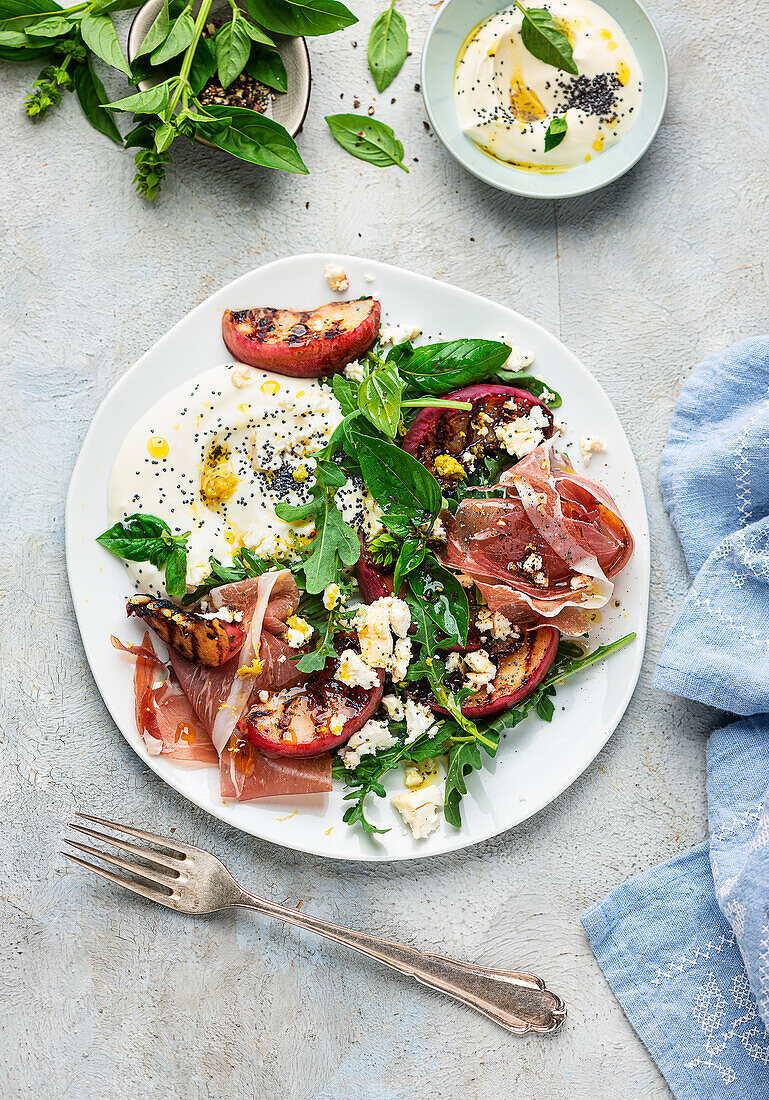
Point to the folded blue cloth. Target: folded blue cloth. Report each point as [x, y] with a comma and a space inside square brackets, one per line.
[686, 946]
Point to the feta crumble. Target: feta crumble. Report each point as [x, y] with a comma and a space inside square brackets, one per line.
[517, 359]
[355, 371]
[480, 671]
[332, 596]
[354, 672]
[336, 277]
[419, 719]
[369, 739]
[397, 334]
[495, 623]
[519, 437]
[393, 707]
[591, 445]
[299, 631]
[419, 809]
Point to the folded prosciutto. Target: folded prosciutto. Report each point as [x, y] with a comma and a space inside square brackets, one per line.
[543, 545]
[211, 700]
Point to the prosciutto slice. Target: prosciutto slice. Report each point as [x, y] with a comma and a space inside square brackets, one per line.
[541, 509]
[164, 715]
[220, 696]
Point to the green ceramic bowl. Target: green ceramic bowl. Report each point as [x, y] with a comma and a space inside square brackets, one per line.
[453, 23]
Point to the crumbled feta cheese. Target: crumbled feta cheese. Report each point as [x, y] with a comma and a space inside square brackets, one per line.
[520, 436]
[241, 377]
[354, 672]
[369, 739]
[394, 707]
[226, 614]
[376, 623]
[336, 277]
[372, 516]
[332, 596]
[454, 662]
[412, 777]
[482, 671]
[355, 371]
[368, 277]
[263, 696]
[591, 445]
[438, 531]
[517, 359]
[419, 719]
[401, 660]
[419, 809]
[496, 624]
[580, 580]
[397, 334]
[299, 631]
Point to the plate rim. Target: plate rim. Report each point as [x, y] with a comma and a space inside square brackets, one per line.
[514, 187]
[452, 844]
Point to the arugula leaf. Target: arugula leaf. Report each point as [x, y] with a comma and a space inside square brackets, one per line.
[233, 45]
[545, 40]
[301, 17]
[440, 368]
[555, 133]
[379, 398]
[244, 564]
[393, 476]
[346, 393]
[465, 757]
[387, 46]
[335, 541]
[99, 35]
[267, 66]
[90, 93]
[156, 34]
[179, 37]
[254, 138]
[367, 139]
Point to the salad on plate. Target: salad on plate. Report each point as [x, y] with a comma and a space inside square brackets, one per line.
[356, 550]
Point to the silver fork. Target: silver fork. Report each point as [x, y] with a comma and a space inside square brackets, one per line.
[191, 880]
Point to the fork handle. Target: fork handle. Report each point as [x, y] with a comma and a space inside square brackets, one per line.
[519, 1002]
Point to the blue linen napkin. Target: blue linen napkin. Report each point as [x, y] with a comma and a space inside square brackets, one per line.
[686, 946]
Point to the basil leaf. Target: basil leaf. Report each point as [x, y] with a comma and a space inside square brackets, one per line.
[14, 39]
[100, 6]
[179, 37]
[379, 399]
[150, 102]
[176, 571]
[545, 40]
[346, 393]
[90, 93]
[446, 610]
[387, 46]
[267, 66]
[411, 555]
[54, 27]
[99, 35]
[301, 17]
[233, 46]
[254, 138]
[15, 15]
[532, 385]
[393, 476]
[203, 65]
[555, 132]
[157, 33]
[440, 368]
[139, 538]
[367, 139]
[256, 34]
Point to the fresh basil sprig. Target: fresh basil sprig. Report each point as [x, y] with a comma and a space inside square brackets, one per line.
[545, 40]
[396, 480]
[379, 398]
[441, 368]
[146, 538]
[367, 139]
[555, 132]
[387, 46]
[301, 17]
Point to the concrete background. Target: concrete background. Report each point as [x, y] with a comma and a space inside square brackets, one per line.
[105, 997]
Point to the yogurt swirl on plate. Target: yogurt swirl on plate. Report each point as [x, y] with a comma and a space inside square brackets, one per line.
[506, 98]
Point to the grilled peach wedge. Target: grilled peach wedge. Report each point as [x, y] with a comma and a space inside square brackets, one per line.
[302, 343]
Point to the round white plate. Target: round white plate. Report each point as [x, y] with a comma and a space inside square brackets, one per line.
[537, 761]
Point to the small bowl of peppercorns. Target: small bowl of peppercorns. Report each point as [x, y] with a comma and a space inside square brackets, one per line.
[274, 82]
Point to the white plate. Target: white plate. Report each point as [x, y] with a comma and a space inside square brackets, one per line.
[537, 761]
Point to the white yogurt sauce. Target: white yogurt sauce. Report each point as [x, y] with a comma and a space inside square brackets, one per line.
[242, 434]
[506, 98]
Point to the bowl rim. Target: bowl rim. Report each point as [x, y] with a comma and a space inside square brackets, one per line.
[296, 38]
[517, 184]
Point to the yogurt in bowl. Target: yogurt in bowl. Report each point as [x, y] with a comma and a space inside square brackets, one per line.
[534, 116]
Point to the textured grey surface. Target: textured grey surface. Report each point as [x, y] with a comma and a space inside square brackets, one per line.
[104, 997]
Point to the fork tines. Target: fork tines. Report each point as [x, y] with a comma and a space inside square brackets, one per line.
[156, 877]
